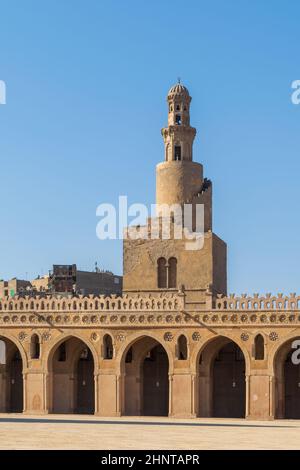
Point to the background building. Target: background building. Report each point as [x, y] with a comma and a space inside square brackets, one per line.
[13, 287]
[68, 279]
[63, 280]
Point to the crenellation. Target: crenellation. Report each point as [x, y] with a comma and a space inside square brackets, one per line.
[163, 300]
[257, 302]
[172, 301]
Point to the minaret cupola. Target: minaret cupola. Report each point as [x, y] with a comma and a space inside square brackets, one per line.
[179, 105]
[179, 135]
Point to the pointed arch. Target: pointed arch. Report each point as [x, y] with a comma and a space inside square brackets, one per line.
[145, 367]
[287, 377]
[13, 361]
[222, 367]
[71, 386]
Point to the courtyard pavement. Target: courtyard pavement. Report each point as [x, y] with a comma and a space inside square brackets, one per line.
[92, 432]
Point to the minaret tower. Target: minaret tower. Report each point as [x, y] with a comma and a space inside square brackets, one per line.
[179, 179]
[155, 265]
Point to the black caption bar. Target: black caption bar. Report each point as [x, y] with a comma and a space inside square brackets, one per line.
[141, 458]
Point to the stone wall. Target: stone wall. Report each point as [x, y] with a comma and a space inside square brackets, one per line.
[133, 319]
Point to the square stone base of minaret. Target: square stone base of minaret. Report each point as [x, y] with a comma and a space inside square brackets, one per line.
[197, 269]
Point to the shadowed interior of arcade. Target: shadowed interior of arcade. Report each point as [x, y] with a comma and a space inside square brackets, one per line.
[11, 377]
[145, 374]
[221, 380]
[71, 378]
[287, 380]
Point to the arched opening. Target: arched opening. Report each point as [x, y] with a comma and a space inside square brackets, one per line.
[259, 348]
[35, 347]
[71, 367]
[167, 157]
[177, 153]
[108, 350]
[182, 349]
[287, 380]
[178, 119]
[145, 372]
[172, 273]
[11, 377]
[222, 384]
[161, 273]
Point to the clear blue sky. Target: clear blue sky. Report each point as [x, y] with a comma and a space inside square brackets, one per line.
[86, 88]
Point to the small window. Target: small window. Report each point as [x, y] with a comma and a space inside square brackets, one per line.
[259, 348]
[178, 107]
[178, 119]
[182, 351]
[172, 273]
[177, 152]
[108, 350]
[161, 273]
[35, 347]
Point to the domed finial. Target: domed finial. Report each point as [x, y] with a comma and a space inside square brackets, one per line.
[179, 89]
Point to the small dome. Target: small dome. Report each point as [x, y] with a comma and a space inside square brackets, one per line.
[179, 89]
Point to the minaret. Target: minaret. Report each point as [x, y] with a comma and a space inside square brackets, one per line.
[179, 179]
[153, 265]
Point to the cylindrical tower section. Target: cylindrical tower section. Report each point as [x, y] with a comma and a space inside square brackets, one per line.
[178, 181]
